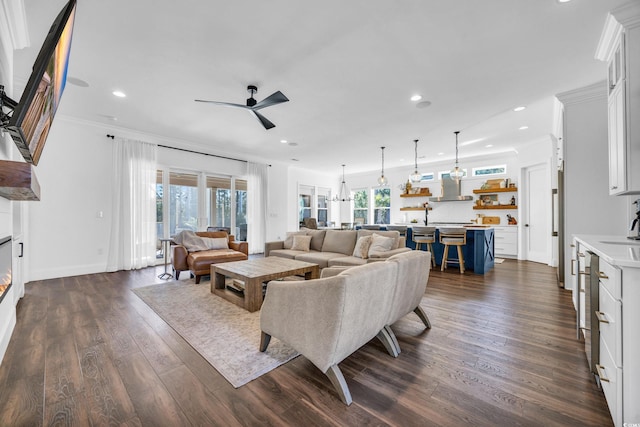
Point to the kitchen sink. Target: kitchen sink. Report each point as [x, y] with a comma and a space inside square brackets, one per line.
[628, 242]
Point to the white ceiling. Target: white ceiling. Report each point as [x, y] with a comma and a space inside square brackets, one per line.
[348, 69]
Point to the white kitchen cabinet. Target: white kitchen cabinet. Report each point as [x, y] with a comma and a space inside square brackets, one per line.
[618, 315]
[620, 47]
[506, 241]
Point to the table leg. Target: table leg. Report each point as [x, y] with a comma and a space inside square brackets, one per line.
[252, 295]
[218, 282]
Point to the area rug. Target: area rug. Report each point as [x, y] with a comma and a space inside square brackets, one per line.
[226, 335]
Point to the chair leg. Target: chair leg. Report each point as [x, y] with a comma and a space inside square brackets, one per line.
[423, 316]
[433, 256]
[388, 339]
[337, 379]
[264, 341]
[177, 273]
[444, 257]
[460, 259]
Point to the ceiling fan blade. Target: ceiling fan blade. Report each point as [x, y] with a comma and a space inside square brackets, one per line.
[265, 122]
[273, 99]
[226, 104]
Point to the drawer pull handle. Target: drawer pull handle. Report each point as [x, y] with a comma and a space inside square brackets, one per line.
[600, 370]
[602, 318]
[601, 275]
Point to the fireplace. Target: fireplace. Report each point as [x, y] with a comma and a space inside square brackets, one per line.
[5, 266]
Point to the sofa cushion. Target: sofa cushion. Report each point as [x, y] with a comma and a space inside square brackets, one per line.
[362, 247]
[317, 238]
[301, 243]
[216, 242]
[340, 241]
[320, 258]
[381, 243]
[387, 233]
[288, 242]
[201, 261]
[286, 253]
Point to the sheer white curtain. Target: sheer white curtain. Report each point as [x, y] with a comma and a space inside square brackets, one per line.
[256, 206]
[133, 235]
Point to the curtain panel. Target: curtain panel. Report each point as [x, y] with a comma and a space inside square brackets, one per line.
[133, 235]
[257, 187]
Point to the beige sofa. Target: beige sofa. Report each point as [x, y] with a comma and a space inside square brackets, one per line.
[328, 319]
[329, 248]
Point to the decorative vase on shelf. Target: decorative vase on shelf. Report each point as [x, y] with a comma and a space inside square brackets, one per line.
[407, 187]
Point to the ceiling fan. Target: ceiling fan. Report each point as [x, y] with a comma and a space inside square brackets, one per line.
[253, 106]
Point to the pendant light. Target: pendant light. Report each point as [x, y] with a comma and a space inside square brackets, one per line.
[344, 192]
[456, 173]
[383, 179]
[416, 176]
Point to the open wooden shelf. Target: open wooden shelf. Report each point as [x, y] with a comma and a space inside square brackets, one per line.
[496, 207]
[495, 190]
[414, 209]
[417, 195]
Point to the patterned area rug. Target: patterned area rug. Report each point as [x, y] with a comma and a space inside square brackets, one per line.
[226, 335]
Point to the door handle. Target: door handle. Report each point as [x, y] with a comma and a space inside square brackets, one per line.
[21, 250]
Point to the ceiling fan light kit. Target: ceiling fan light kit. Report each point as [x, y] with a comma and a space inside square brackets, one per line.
[253, 106]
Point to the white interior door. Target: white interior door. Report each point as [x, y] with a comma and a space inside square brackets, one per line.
[537, 214]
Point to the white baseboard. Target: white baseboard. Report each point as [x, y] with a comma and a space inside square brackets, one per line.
[68, 271]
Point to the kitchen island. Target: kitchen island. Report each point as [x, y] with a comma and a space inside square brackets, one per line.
[478, 252]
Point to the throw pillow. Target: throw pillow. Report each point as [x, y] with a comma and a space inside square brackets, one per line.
[362, 247]
[216, 242]
[301, 243]
[380, 243]
[289, 240]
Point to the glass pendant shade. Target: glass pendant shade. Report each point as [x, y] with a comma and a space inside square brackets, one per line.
[416, 176]
[343, 196]
[382, 180]
[456, 173]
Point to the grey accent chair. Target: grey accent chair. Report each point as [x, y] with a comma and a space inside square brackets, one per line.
[328, 319]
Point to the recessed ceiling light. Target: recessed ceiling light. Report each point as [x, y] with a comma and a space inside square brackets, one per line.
[523, 127]
[119, 94]
[293, 144]
[440, 154]
[489, 145]
[519, 108]
[283, 141]
[423, 104]
[564, 1]
[77, 82]
[416, 97]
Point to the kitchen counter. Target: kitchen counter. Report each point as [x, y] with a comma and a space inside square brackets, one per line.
[616, 250]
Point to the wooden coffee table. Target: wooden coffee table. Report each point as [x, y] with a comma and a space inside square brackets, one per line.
[253, 273]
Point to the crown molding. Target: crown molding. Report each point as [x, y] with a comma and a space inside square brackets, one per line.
[628, 14]
[13, 23]
[610, 35]
[593, 92]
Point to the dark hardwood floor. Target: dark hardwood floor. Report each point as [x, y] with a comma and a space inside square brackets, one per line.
[502, 351]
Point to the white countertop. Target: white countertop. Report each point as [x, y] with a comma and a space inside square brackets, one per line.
[616, 250]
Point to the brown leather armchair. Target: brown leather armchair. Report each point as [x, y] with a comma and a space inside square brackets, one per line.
[199, 263]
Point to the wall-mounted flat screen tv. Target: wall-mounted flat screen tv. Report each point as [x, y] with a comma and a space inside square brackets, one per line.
[31, 120]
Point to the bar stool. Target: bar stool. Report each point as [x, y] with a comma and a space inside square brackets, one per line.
[425, 236]
[453, 237]
[402, 229]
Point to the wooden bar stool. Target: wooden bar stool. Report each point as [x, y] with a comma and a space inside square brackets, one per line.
[425, 236]
[453, 237]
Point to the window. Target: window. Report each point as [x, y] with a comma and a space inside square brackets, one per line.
[241, 209]
[382, 205]
[304, 203]
[183, 202]
[159, 213]
[360, 207]
[324, 195]
[490, 170]
[219, 201]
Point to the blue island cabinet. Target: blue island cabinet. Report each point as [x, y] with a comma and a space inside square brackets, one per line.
[478, 252]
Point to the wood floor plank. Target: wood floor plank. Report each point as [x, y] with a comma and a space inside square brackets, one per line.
[501, 351]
